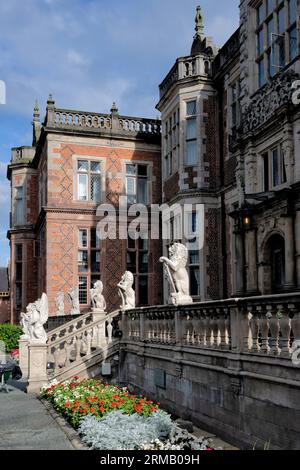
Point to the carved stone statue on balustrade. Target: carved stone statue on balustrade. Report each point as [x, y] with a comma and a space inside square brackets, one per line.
[126, 291]
[60, 304]
[177, 275]
[74, 299]
[97, 298]
[32, 322]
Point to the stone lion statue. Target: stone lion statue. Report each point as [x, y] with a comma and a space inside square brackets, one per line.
[97, 298]
[33, 320]
[126, 291]
[175, 268]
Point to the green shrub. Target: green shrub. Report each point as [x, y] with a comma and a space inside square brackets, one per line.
[10, 335]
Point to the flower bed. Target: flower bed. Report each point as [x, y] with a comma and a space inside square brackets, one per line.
[108, 417]
[75, 399]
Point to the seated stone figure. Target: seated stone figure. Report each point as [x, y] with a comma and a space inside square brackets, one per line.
[177, 274]
[32, 322]
[98, 301]
[126, 291]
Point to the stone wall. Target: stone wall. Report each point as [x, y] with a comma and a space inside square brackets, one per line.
[225, 365]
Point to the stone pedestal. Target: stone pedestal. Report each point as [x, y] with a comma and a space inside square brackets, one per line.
[99, 331]
[37, 375]
[24, 357]
[98, 315]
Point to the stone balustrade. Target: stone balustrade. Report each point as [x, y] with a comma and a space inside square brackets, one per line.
[257, 325]
[77, 340]
[83, 121]
[186, 67]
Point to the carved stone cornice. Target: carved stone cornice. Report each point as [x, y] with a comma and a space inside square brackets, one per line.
[268, 100]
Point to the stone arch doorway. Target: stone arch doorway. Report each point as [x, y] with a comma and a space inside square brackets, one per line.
[273, 264]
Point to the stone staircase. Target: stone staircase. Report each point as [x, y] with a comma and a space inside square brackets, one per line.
[76, 348]
[81, 346]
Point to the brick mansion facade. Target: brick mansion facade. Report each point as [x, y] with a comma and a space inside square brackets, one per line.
[228, 138]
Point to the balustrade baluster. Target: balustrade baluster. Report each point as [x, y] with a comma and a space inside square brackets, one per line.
[206, 324]
[264, 329]
[222, 328]
[274, 329]
[88, 342]
[196, 328]
[109, 330]
[285, 328]
[295, 322]
[202, 329]
[214, 328]
[245, 328]
[228, 327]
[254, 328]
[78, 347]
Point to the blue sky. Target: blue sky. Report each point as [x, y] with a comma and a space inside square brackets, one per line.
[89, 53]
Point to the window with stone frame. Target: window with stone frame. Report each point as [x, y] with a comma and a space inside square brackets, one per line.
[19, 275]
[191, 133]
[274, 172]
[137, 178]
[171, 143]
[137, 262]
[276, 37]
[89, 181]
[19, 205]
[89, 261]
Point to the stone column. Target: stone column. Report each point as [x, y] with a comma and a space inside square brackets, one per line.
[24, 357]
[251, 259]
[289, 253]
[239, 264]
[37, 367]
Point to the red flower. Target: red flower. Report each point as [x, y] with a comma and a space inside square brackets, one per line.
[152, 409]
[158, 403]
[149, 402]
[74, 410]
[92, 410]
[114, 404]
[67, 405]
[101, 409]
[76, 378]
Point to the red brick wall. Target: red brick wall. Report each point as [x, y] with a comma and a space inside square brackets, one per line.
[69, 215]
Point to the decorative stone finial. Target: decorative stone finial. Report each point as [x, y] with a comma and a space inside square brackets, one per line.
[50, 102]
[199, 28]
[36, 112]
[114, 109]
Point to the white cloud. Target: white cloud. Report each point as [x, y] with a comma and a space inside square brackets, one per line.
[74, 57]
